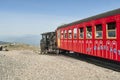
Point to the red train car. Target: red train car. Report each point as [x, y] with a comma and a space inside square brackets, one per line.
[97, 36]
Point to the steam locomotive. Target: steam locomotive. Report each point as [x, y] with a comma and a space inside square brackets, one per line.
[96, 36]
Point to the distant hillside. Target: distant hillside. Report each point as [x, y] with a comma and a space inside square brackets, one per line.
[2, 42]
[27, 39]
[17, 46]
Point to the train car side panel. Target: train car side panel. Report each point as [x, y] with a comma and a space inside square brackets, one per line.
[93, 36]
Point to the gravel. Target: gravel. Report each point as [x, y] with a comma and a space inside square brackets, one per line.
[27, 65]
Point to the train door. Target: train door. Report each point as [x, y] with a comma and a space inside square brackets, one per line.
[81, 40]
[111, 41]
[98, 43]
[75, 39]
[70, 39]
[89, 42]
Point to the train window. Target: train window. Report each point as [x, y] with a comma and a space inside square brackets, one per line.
[75, 33]
[70, 34]
[89, 32]
[111, 30]
[81, 33]
[61, 34]
[65, 34]
[99, 32]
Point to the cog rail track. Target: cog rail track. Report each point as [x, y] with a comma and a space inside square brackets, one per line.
[112, 65]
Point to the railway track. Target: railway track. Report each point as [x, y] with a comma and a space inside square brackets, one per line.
[95, 60]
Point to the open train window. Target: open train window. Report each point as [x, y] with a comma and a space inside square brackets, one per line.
[111, 30]
[61, 34]
[81, 33]
[65, 34]
[75, 33]
[89, 32]
[69, 34]
[98, 31]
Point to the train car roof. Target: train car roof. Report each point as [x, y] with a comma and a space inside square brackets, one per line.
[106, 14]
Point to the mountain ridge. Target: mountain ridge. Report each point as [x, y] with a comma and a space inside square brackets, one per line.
[26, 39]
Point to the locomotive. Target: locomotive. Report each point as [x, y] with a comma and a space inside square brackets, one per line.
[95, 36]
[48, 43]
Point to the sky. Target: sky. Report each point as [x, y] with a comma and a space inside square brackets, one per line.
[21, 17]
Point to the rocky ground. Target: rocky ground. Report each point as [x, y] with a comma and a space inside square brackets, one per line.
[27, 65]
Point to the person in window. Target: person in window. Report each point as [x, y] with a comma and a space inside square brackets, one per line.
[75, 35]
[81, 35]
[70, 35]
[89, 35]
[97, 35]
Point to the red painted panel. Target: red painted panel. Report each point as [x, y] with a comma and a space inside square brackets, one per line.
[75, 45]
[70, 44]
[80, 45]
[89, 47]
[108, 47]
[98, 48]
[114, 52]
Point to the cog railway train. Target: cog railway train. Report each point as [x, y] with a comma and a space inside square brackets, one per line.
[98, 36]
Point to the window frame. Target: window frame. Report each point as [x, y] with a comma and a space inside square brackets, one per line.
[74, 33]
[90, 32]
[62, 34]
[81, 33]
[65, 34]
[69, 34]
[111, 30]
[98, 31]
